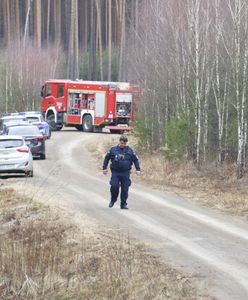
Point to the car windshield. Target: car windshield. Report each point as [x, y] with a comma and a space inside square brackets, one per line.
[33, 119]
[10, 143]
[23, 130]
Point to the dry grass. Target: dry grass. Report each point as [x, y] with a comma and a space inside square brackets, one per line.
[43, 256]
[211, 186]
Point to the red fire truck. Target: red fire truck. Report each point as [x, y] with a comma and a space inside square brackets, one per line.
[89, 105]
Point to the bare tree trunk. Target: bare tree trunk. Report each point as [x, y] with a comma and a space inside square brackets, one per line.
[6, 93]
[76, 43]
[240, 103]
[244, 91]
[245, 143]
[122, 42]
[98, 14]
[109, 39]
[92, 50]
[17, 22]
[7, 22]
[242, 120]
[38, 23]
[157, 88]
[71, 42]
[57, 20]
[48, 21]
[86, 27]
[197, 82]
[206, 111]
[72, 70]
[216, 90]
[26, 30]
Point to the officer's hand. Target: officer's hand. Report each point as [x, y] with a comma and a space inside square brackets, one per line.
[105, 171]
[137, 172]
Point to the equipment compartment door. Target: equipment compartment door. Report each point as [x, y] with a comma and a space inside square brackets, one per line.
[74, 107]
[100, 104]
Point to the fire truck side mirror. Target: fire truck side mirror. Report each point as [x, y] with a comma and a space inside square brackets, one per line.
[42, 91]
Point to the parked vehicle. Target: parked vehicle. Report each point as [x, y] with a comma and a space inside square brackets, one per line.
[36, 118]
[89, 105]
[33, 138]
[12, 123]
[15, 156]
[10, 118]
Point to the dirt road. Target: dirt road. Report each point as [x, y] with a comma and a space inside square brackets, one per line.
[206, 243]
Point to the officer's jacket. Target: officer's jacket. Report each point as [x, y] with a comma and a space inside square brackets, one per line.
[121, 159]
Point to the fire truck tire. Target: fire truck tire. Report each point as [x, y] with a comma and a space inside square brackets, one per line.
[87, 123]
[59, 127]
[97, 129]
[51, 122]
[79, 127]
[115, 131]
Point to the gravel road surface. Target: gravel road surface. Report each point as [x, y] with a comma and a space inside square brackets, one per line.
[209, 244]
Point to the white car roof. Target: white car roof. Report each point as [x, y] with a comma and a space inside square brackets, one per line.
[32, 115]
[12, 117]
[11, 137]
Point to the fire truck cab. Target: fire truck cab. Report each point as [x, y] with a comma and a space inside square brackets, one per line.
[88, 105]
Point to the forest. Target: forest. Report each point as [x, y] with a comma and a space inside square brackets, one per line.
[189, 58]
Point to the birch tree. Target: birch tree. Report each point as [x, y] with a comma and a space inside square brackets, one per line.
[109, 39]
[72, 68]
[38, 23]
[122, 10]
[26, 30]
[99, 30]
[238, 59]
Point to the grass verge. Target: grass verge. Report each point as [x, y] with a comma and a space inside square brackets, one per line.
[213, 187]
[44, 256]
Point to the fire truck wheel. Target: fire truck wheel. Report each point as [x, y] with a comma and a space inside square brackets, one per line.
[59, 127]
[87, 123]
[115, 131]
[51, 122]
[97, 129]
[79, 127]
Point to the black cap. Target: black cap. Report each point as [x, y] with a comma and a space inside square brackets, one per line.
[123, 138]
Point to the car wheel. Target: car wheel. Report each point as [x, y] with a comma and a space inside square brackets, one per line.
[30, 173]
[43, 156]
[49, 134]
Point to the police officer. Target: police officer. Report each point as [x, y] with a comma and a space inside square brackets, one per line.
[122, 157]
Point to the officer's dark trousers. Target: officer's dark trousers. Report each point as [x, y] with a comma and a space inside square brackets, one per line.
[120, 179]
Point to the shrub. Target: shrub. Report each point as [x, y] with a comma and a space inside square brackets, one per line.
[142, 132]
[179, 133]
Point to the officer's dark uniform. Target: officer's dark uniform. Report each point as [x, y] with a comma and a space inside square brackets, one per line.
[121, 164]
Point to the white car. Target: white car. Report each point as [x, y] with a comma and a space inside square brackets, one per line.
[6, 119]
[15, 156]
[36, 118]
[13, 117]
